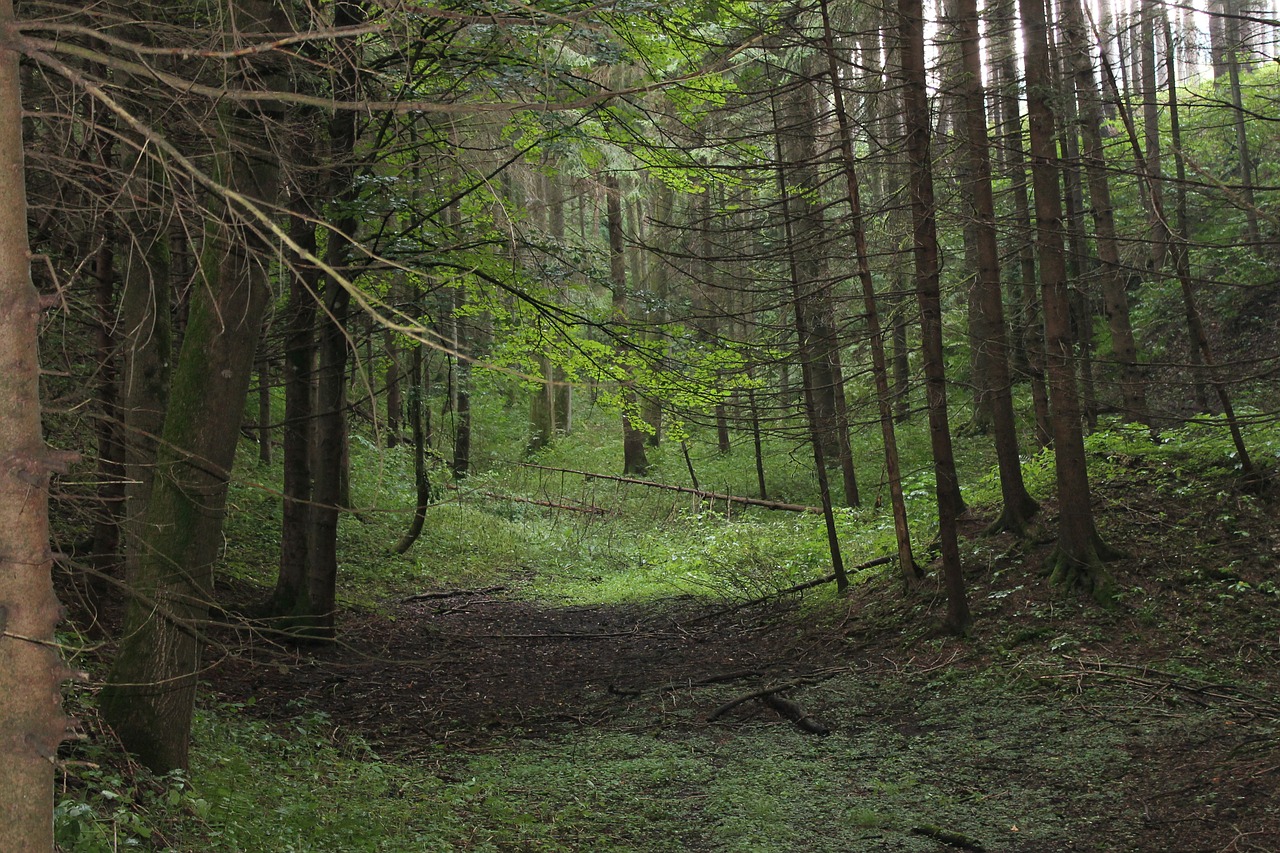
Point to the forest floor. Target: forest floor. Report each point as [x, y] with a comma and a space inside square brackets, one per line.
[1058, 725]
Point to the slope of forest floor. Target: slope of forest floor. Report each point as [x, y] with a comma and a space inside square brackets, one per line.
[1057, 726]
[497, 718]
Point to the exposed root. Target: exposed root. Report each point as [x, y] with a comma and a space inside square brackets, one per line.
[1084, 572]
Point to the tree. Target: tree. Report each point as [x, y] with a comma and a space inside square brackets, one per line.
[1077, 559]
[916, 127]
[150, 694]
[31, 720]
[990, 335]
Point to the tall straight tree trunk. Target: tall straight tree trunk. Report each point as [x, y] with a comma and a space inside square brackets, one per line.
[1077, 559]
[1158, 237]
[799, 132]
[421, 438]
[1243, 157]
[634, 460]
[264, 403]
[1182, 232]
[1112, 275]
[395, 394]
[1027, 333]
[906, 560]
[1251, 476]
[31, 720]
[991, 336]
[916, 126]
[804, 338]
[289, 599]
[329, 467]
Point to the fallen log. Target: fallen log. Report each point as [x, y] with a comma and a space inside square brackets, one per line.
[498, 496]
[946, 836]
[452, 593]
[701, 493]
[800, 587]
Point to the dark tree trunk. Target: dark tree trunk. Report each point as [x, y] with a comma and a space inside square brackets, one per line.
[990, 335]
[290, 598]
[799, 133]
[1027, 338]
[264, 404]
[906, 561]
[1181, 235]
[634, 461]
[1114, 295]
[916, 126]
[395, 396]
[417, 425]
[1077, 560]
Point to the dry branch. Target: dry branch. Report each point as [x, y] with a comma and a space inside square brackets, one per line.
[452, 593]
[701, 493]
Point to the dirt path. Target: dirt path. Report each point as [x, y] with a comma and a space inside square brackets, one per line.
[470, 666]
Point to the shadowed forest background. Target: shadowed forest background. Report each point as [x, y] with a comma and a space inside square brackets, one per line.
[711, 426]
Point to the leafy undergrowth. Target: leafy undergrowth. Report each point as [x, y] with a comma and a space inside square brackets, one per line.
[541, 718]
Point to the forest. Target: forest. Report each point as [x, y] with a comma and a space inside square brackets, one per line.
[821, 425]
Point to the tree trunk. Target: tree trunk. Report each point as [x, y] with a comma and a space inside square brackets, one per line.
[804, 337]
[31, 720]
[799, 133]
[264, 404]
[1027, 338]
[1077, 559]
[906, 561]
[1115, 298]
[916, 127]
[150, 692]
[634, 461]
[421, 481]
[1181, 235]
[289, 600]
[395, 396]
[990, 335]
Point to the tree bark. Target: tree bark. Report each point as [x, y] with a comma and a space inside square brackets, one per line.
[916, 127]
[31, 720]
[150, 692]
[990, 335]
[1115, 297]
[289, 599]
[906, 560]
[1077, 559]
[634, 460]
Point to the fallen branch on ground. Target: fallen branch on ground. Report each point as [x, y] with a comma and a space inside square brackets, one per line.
[705, 495]
[793, 712]
[498, 496]
[800, 587]
[772, 689]
[719, 678]
[452, 593]
[946, 836]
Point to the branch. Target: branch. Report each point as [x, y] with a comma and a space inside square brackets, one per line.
[713, 496]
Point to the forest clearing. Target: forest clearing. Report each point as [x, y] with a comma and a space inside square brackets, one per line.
[695, 426]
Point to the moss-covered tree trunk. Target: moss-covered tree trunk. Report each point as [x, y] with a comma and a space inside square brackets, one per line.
[150, 692]
[31, 720]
